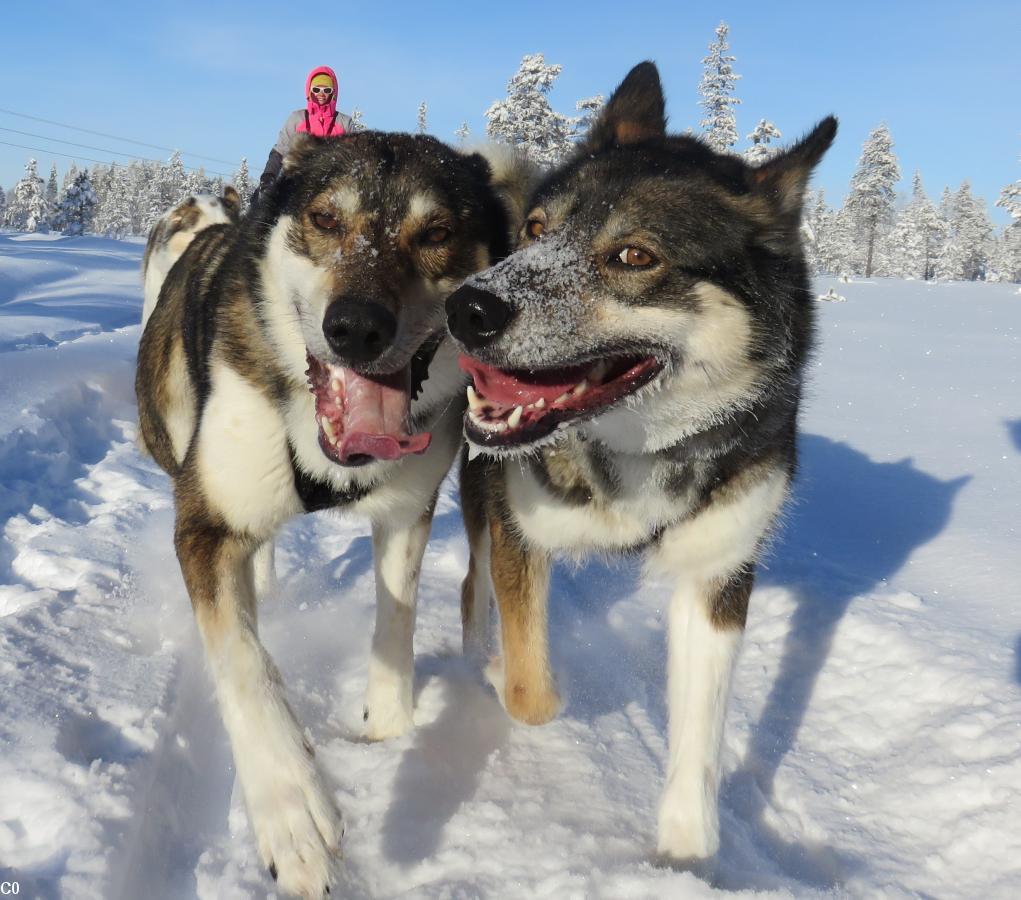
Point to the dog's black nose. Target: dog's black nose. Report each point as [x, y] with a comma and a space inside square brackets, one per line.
[358, 331]
[476, 317]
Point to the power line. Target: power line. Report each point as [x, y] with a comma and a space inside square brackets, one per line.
[29, 134]
[115, 137]
[103, 162]
[100, 149]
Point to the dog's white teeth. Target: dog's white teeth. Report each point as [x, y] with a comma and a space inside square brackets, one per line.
[515, 417]
[335, 385]
[499, 427]
[563, 398]
[580, 388]
[329, 430]
[475, 402]
[540, 403]
[598, 372]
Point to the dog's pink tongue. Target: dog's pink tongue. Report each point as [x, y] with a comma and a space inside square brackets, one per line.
[375, 418]
[503, 387]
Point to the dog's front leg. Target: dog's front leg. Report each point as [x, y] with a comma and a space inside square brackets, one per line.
[296, 825]
[520, 575]
[702, 646]
[397, 552]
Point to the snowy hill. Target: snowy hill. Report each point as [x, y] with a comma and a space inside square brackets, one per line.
[874, 740]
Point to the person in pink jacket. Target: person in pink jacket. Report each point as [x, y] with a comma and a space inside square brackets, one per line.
[319, 118]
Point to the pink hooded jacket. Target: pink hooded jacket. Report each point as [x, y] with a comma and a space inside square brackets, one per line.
[321, 121]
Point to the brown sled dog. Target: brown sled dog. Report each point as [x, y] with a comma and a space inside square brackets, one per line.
[637, 366]
[296, 362]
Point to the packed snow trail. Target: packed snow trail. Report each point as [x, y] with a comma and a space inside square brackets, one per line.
[873, 740]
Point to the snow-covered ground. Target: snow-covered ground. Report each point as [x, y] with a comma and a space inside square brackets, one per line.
[874, 741]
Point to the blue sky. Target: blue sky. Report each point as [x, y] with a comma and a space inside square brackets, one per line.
[219, 79]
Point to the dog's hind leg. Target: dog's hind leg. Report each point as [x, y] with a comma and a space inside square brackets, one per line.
[296, 825]
[520, 576]
[397, 551]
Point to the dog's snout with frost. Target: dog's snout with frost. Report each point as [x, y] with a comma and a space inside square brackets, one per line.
[476, 317]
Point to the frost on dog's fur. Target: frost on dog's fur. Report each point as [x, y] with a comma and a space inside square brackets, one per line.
[637, 366]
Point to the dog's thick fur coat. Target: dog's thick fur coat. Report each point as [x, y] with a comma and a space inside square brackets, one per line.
[637, 370]
[337, 277]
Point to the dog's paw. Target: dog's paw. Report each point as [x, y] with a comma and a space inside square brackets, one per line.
[298, 832]
[388, 708]
[534, 701]
[689, 836]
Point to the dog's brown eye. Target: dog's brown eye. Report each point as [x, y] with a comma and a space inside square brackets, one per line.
[325, 221]
[635, 257]
[437, 234]
[534, 229]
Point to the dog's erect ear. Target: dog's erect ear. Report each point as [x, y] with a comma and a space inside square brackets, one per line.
[302, 146]
[635, 112]
[231, 201]
[783, 178]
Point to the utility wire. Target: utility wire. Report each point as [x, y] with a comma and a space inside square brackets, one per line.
[115, 137]
[100, 149]
[104, 162]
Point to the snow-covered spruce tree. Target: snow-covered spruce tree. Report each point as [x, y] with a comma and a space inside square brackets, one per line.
[3, 205]
[356, 120]
[916, 237]
[965, 252]
[870, 203]
[420, 122]
[716, 90]
[113, 215]
[1010, 200]
[69, 176]
[26, 206]
[760, 150]
[242, 182]
[78, 205]
[526, 119]
[589, 109]
[1006, 254]
[52, 192]
[463, 133]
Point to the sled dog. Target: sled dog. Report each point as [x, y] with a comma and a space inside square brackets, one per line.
[296, 362]
[172, 234]
[636, 370]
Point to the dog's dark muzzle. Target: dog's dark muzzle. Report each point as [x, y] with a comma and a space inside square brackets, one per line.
[476, 317]
[358, 331]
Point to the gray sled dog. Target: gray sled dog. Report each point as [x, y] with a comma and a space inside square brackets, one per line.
[299, 361]
[637, 366]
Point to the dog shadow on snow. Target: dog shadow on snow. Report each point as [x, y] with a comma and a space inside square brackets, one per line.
[852, 525]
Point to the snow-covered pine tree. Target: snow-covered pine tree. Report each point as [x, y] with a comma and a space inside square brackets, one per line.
[966, 251]
[26, 206]
[870, 203]
[356, 120]
[113, 215]
[916, 237]
[1010, 200]
[462, 134]
[420, 124]
[51, 194]
[716, 90]
[760, 150]
[3, 205]
[78, 205]
[589, 109]
[69, 176]
[1007, 253]
[242, 182]
[526, 119]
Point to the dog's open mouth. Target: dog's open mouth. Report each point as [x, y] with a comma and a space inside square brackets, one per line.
[363, 418]
[509, 408]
